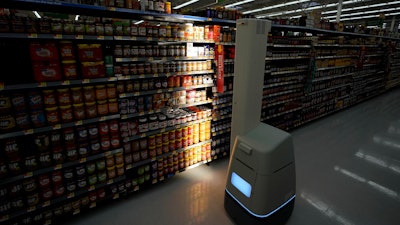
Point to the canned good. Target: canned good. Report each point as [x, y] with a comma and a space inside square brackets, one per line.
[91, 109]
[63, 96]
[66, 113]
[111, 173]
[89, 94]
[102, 108]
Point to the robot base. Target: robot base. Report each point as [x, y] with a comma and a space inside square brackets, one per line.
[241, 216]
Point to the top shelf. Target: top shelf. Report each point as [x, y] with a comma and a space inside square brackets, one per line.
[322, 31]
[73, 8]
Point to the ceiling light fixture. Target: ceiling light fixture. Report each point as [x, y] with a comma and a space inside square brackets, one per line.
[303, 10]
[363, 7]
[276, 6]
[185, 4]
[364, 12]
[365, 17]
[76, 17]
[37, 14]
[238, 3]
[139, 22]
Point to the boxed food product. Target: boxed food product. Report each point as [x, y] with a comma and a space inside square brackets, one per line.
[46, 71]
[93, 70]
[90, 52]
[43, 51]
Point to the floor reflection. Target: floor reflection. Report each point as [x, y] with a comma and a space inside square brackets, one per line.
[325, 209]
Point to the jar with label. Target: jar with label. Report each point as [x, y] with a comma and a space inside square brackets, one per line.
[113, 106]
[125, 69]
[101, 92]
[63, 96]
[162, 121]
[95, 146]
[126, 51]
[105, 143]
[120, 169]
[142, 30]
[153, 122]
[52, 115]
[162, 32]
[76, 95]
[102, 108]
[142, 51]
[143, 125]
[118, 52]
[115, 141]
[149, 51]
[49, 99]
[134, 51]
[91, 109]
[71, 152]
[134, 29]
[155, 31]
[89, 94]
[111, 173]
[66, 113]
[147, 68]
[144, 85]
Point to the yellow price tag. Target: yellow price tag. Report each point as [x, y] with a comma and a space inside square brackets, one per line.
[71, 195]
[102, 118]
[122, 95]
[80, 37]
[82, 160]
[128, 167]
[66, 82]
[112, 9]
[46, 203]
[79, 122]
[1, 86]
[31, 209]
[143, 135]
[58, 36]
[57, 167]
[136, 188]
[136, 93]
[91, 188]
[124, 117]
[133, 38]
[141, 76]
[33, 35]
[85, 81]
[57, 127]
[141, 114]
[100, 37]
[155, 75]
[116, 196]
[77, 211]
[110, 181]
[42, 84]
[28, 174]
[92, 205]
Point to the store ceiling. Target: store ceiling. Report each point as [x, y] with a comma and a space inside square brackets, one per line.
[353, 10]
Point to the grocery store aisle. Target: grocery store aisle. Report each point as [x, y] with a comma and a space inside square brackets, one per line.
[348, 170]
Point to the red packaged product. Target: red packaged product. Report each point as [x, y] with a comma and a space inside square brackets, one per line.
[90, 52]
[67, 50]
[69, 69]
[93, 70]
[43, 51]
[46, 71]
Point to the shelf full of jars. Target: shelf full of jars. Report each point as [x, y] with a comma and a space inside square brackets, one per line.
[327, 73]
[394, 60]
[223, 92]
[91, 113]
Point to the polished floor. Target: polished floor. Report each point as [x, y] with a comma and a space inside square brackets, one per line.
[348, 173]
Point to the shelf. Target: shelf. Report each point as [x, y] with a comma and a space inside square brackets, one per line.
[280, 102]
[281, 113]
[134, 115]
[155, 75]
[58, 126]
[332, 77]
[147, 161]
[224, 131]
[59, 166]
[73, 8]
[226, 43]
[333, 67]
[367, 75]
[63, 198]
[229, 60]
[141, 93]
[154, 132]
[287, 72]
[150, 59]
[222, 117]
[159, 39]
[286, 58]
[337, 56]
[229, 75]
[222, 94]
[281, 93]
[56, 36]
[289, 46]
[280, 84]
[5, 87]
[328, 89]
[218, 106]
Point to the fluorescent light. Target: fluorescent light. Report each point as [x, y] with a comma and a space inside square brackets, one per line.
[185, 4]
[276, 6]
[37, 14]
[76, 17]
[363, 7]
[391, 144]
[364, 12]
[307, 9]
[238, 3]
[139, 22]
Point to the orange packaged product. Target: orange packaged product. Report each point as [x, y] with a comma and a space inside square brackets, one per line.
[69, 69]
[64, 96]
[67, 50]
